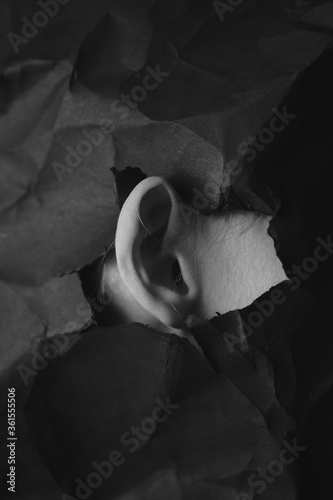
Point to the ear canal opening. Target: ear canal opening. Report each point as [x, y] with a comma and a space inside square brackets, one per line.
[180, 285]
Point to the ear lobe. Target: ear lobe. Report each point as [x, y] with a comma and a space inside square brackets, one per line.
[153, 262]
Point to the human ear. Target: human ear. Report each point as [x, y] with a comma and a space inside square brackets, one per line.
[153, 262]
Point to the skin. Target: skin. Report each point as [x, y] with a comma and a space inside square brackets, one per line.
[226, 261]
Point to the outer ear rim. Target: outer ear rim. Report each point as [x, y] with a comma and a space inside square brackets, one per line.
[157, 300]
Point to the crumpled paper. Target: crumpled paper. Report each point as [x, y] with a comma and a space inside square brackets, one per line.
[28, 313]
[225, 79]
[65, 225]
[225, 423]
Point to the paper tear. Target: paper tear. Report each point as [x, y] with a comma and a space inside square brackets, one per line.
[125, 182]
[60, 304]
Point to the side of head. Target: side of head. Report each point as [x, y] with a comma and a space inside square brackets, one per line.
[165, 268]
